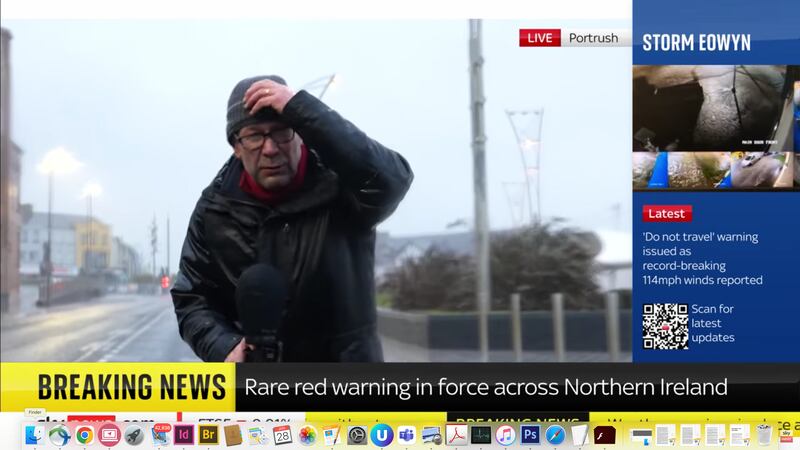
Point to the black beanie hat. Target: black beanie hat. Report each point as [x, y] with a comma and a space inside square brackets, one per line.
[238, 116]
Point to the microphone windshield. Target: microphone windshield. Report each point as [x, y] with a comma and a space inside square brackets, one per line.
[261, 297]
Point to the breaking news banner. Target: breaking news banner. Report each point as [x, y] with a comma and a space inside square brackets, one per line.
[225, 387]
[124, 387]
[519, 387]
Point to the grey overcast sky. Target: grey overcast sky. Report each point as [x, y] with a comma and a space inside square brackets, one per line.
[142, 105]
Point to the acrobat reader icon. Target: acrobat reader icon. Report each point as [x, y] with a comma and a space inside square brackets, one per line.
[456, 434]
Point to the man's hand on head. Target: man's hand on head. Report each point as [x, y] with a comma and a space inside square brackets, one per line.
[266, 94]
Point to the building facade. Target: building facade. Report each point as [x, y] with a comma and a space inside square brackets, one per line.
[10, 170]
[64, 249]
[124, 258]
[76, 246]
[93, 241]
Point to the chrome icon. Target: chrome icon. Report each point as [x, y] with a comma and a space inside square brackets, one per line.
[381, 435]
[84, 434]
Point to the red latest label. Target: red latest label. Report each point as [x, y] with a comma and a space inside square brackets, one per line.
[667, 213]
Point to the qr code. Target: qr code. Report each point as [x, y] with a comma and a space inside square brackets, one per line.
[665, 326]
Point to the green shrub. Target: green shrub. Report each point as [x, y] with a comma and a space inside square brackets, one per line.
[537, 261]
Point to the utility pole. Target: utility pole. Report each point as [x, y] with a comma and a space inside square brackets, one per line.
[89, 239]
[48, 254]
[479, 184]
[154, 244]
[168, 272]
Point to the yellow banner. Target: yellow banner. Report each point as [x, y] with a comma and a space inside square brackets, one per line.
[82, 387]
[694, 416]
[390, 418]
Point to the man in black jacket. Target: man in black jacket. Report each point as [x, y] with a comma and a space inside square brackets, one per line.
[302, 192]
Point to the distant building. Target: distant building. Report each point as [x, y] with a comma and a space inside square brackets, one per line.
[124, 258]
[392, 252]
[64, 250]
[73, 249]
[10, 171]
[93, 242]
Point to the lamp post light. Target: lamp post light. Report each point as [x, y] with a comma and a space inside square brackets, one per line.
[90, 191]
[528, 141]
[57, 161]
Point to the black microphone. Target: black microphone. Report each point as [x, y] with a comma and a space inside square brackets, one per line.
[261, 298]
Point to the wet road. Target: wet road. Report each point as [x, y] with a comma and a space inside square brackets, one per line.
[120, 327]
[112, 328]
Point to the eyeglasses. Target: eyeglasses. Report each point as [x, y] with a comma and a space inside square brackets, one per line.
[255, 141]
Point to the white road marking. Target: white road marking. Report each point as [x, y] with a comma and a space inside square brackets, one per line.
[89, 349]
[142, 327]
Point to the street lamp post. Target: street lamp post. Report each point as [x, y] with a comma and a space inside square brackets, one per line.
[48, 261]
[56, 161]
[90, 191]
[477, 100]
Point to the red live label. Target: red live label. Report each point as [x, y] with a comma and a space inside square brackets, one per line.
[539, 37]
[83, 418]
[667, 213]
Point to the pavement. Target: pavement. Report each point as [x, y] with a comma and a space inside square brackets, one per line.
[134, 328]
[396, 351]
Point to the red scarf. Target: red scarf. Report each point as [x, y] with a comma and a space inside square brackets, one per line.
[249, 185]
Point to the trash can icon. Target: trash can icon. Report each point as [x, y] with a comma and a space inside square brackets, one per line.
[764, 434]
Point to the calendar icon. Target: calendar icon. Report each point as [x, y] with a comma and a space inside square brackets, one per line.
[282, 434]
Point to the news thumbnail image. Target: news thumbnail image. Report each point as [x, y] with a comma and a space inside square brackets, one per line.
[713, 108]
[699, 170]
[715, 170]
[797, 116]
[797, 133]
[682, 170]
[644, 164]
[797, 170]
[763, 170]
